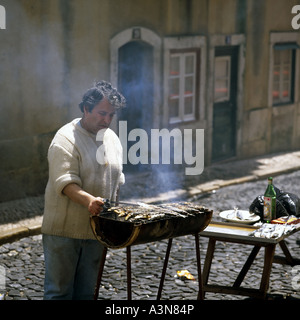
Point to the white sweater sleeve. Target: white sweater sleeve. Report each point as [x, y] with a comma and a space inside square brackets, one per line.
[63, 167]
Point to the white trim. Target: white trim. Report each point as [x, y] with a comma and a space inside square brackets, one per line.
[154, 40]
[181, 77]
[278, 37]
[185, 42]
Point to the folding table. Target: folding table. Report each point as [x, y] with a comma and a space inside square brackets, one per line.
[239, 233]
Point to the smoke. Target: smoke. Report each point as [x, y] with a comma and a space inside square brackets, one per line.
[47, 62]
[48, 59]
[31, 67]
[168, 156]
[163, 156]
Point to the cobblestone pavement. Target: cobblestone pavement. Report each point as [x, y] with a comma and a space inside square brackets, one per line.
[24, 266]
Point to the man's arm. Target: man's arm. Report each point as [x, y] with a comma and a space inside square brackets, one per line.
[78, 195]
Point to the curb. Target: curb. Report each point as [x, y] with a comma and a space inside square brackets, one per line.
[217, 184]
[19, 233]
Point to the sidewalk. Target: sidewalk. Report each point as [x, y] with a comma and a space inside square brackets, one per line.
[22, 218]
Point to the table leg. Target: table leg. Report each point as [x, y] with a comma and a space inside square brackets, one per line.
[269, 255]
[102, 262]
[208, 261]
[288, 258]
[246, 266]
[128, 253]
[286, 252]
[162, 279]
[200, 282]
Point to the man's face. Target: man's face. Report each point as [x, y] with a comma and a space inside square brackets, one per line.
[100, 117]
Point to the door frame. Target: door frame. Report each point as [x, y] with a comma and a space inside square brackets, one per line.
[138, 33]
[227, 106]
[221, 41]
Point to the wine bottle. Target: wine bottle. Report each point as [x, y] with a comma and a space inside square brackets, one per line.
[270, 202]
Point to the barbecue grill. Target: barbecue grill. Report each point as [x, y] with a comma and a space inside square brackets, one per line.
[125, 226]
[119, 227]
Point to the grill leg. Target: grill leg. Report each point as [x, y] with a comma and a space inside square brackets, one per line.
[102, 262]
[128, 251]
[200, 281]
[163, 274]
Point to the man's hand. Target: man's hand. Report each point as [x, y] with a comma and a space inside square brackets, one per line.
[96, 206]
[76, 194]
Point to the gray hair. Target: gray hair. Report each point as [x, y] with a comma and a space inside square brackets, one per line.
[98, 92]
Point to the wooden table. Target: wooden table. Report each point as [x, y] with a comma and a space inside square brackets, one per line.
[238, 233]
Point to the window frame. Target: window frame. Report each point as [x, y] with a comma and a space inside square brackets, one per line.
[227, 79]
[181, 77]
[282, 40]
[182, 47]
[291, 81]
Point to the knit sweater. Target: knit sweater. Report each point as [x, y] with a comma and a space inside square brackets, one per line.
[73, 158]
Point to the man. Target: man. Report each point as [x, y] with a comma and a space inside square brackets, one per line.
[76, 187]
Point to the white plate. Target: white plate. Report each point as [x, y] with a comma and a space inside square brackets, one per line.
[227, 215]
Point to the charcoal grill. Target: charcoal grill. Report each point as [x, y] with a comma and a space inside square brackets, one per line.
[120, 227]
[142, 224]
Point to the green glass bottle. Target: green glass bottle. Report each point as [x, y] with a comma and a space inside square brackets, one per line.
[270, 202]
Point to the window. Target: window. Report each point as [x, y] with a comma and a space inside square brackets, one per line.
[222, 78]
[283, 73]
[184, 72]
[182, 86]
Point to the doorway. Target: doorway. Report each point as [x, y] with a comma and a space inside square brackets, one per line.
[225, 103]
[135, 81]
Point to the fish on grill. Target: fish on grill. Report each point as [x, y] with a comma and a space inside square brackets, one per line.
[122, 226]
[145, 213]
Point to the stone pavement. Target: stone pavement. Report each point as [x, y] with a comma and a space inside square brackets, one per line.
[220, 187]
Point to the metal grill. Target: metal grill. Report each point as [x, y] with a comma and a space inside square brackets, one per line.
[124, 226]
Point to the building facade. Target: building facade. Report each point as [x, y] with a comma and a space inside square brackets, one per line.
[228, 67]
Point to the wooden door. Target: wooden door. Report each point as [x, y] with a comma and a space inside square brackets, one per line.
[135, 81]
[225, 103]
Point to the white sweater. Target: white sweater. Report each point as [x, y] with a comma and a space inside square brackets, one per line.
[72, 159]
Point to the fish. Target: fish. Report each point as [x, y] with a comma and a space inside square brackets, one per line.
[145, 212]
[272, 231]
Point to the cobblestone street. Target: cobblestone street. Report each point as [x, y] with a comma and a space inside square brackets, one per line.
[24, 265]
